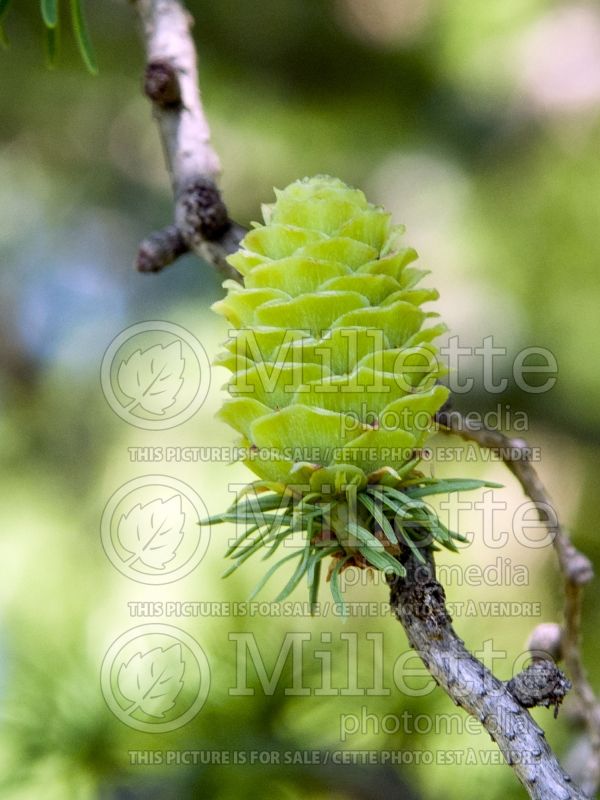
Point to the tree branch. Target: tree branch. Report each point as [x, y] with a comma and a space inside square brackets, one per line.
[202, 223]
[418, 601]
[575, 567]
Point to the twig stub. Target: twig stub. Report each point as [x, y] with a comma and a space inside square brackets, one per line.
[160, 249]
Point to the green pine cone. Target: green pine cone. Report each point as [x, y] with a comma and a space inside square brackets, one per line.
[334, 384]
[332, 367]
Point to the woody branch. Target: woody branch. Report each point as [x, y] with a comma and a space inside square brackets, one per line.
[202, 223]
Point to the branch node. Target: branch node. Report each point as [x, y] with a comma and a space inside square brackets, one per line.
[161, 84]
[580, 568]
[200, 212]
[545, 641]
[541, 684]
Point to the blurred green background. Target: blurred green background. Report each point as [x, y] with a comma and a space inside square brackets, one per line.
[477, 124]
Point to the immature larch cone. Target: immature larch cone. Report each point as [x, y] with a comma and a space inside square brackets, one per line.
[331, 362]
[334, 386]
